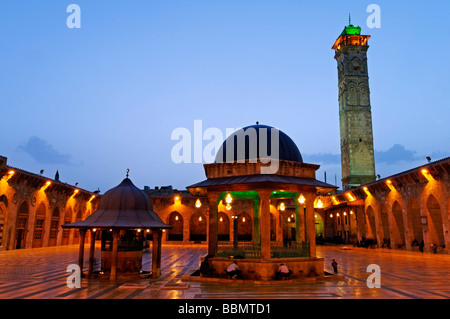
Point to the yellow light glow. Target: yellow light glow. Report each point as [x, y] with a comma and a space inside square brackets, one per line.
[198, 203]
[228, 199]
[221, 219]
[289, 219]
[228, 207]
[200, 219]
[345, 213]
[139, 230]
[92, 197]
[319, 203]
[350, 196]
[301, 199]
[47, 184]
[351, 212]
[11, 172]
[177, 198]
[76, 191]
[424, 171]
[94, 230]
[148, 230]
[176, 217]
[282, 207]
[331, 215]
[243, 219]
[389, 181]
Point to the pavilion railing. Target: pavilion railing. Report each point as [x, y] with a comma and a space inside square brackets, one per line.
[250, 250]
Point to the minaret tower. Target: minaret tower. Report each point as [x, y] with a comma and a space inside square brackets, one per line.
[355, 117]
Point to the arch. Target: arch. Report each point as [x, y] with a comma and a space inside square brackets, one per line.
[223, 227]
[66, 231]
[287, 219]
[371, 226]
[21, 226]
[245, 227]
[415, 228]
[273, 227]
[4, 200]
[54, 226]
[197, 227]
[175, 219]
[2, 222]
[38, 232]
[434, 221]
[385, 228]
[76, 234]
[318, 225]
[398, 227]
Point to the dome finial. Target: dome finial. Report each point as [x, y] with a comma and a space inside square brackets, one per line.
[128, 170]
[257, 123]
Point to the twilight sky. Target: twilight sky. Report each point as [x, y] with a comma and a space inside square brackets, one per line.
[94, 101]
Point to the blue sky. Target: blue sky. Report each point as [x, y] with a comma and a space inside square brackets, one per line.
[94, 101]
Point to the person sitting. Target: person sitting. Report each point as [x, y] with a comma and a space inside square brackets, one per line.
[233, 270]
[283, 272]
[205, 267]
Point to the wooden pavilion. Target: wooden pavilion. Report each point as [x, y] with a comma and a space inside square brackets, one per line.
[124, 214]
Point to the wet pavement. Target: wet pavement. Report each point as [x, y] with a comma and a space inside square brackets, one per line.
[40, 273]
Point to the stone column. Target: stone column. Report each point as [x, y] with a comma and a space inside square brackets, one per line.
[115, 245]
[425, 227]
[81, 250]
[310, 229]
[256, 221]
[264, 197]
[91, 253]
[299, 222]
[156, 253]
[213, 220]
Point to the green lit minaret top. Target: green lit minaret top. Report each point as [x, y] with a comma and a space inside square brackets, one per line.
[351, 29]
[350, 36]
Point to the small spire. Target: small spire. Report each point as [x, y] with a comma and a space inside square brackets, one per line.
[128, 170]
[349, 19]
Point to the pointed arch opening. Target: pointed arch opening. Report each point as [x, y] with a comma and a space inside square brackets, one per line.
[175, 219]
[21, 226]
[414, 224]
[434, 221]
[54, 227]
[371, 226]
[398, 225]
[223, 227]
[39, 223]
[197, 227]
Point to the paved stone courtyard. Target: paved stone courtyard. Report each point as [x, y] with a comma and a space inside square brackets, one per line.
[41, 274]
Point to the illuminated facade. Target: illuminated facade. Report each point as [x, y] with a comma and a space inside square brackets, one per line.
[33, 208]
[397, 212]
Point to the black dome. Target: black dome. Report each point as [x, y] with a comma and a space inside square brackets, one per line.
[288, 151]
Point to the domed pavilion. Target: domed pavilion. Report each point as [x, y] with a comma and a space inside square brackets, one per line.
[262, 164]
[124, 216]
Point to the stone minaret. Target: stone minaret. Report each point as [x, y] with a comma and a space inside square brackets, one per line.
[357, 154]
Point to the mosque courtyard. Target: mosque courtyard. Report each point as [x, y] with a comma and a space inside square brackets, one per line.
[40, 273]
